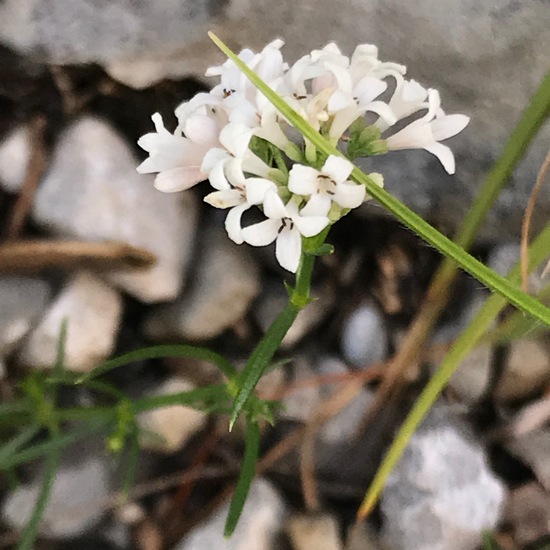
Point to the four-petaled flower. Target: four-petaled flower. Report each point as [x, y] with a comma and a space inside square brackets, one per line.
[286, 225]
[325, 186]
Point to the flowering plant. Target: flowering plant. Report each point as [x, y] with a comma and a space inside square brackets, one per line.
[253, 157]
[281, 138]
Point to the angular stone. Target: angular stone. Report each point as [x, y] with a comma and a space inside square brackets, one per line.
[93, 192]
[534, 449]
[526, 370]
[442, 494]
[92, 309]
[77, 501]
[171, 427]
[15, 152]
[314, 532]
[261, 521]
[22, 300]
[529, 513]
[364, 339]
[227, 279]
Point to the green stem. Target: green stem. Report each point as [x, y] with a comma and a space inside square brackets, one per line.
[262, 355]
[26, 542]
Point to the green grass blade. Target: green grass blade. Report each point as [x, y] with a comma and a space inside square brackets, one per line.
[9, 448]
[26, 542]
[248, 470]
[55, 443]
[157, 352]
[467, 340]
[467, 262]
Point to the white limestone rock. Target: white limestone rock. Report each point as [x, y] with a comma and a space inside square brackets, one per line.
[15, 152]
[22, 300]
[92, 309]
[170, 427]
[261, 521]
[226, 282]
[364, 339]
[77, 502]
[93, 192]
[442, 494]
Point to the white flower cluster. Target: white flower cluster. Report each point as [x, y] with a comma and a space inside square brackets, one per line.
[235, 138]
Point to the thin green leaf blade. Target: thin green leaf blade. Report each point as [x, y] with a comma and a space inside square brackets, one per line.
[248, 470]
[158, 352]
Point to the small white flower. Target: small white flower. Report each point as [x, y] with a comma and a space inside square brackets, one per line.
[428, 131]
[230, 163]
[240, 198]
[177, 158]
[286, 225]
[325, 186]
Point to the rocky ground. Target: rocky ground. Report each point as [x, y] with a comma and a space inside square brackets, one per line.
[80, 231]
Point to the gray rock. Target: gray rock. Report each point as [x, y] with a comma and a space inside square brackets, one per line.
[486, 58]
[167, 429]
[504, 256]
[275, 297]
[534, 449]
[529, 513]
[261, 521]
[226, 281]
[314, 532]
[364, 340]
[442, 494]
[15, 152]
[92, 310]
[93, 192]
[22, 300]
[78, 500]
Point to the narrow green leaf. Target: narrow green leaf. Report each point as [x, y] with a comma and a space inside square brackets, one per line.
[261, 357]
[156, 352]
[467, 262]
[26, 542]
[20, 440]
[55, 443]
[248, 470]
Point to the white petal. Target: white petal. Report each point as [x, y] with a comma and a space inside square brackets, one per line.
[288, 249]
[235, 137]
[213, 157]
[224, 199]
[368, 89]
[256, 189]
[178, 179]
[217, 177]
[448, 126]
[233, 222]
[261, 234]
[349, 195]
[234, 172]
[202, 130]
[444, 154]
[303, 180]
[274, 207]
[309, 226]
[337, 168]
[318, 205]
